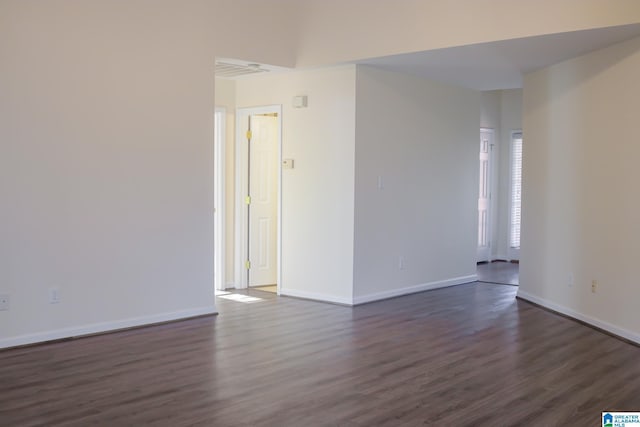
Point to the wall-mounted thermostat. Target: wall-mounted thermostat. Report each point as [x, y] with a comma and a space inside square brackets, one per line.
[287, 164]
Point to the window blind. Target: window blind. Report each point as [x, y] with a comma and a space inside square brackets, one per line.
[516, 189]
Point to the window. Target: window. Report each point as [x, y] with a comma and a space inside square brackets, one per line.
[516, 189]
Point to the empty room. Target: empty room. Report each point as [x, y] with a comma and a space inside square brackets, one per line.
[272, 212]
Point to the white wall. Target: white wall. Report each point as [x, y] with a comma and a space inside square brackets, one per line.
[262, 31]
[317, 195]
[106, 149]
[106, 130]
[106, 115]
[580, 210]
[226, 97]
[490, 109]
[333, 31]
[421, 137]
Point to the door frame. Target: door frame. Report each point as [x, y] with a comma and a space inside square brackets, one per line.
[241, 220]
[219, 220]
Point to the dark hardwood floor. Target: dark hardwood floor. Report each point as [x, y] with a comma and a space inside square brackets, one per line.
[469, 355]
[501, 272]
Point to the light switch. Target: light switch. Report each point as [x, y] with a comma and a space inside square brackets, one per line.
[287, 164]
[299, 101]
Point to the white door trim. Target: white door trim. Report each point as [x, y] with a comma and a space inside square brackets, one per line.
[242, 115]
[219, 226]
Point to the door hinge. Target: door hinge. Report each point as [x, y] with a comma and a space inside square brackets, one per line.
[247, 264]
[248, 200]
[249, 134]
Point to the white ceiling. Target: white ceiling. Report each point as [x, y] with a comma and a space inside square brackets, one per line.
[501, 65]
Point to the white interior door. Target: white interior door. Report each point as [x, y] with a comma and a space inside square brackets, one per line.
[484, 196]
[263, 203]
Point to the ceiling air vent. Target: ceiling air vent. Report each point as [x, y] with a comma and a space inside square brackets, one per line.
[229, 70]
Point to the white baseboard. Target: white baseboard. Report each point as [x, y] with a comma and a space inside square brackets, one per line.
[316, 297]
[616, 330]
[95, 328]
[501, 256]
[414, 289]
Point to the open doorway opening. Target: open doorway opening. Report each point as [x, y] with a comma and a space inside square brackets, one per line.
[258, 212]
[502, 197]
[485, 191]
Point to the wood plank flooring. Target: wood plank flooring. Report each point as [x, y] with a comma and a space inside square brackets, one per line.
[267, 288]
[505, 273]
[469, 355]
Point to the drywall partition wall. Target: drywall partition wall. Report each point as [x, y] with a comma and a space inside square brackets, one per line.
[317, 194]
[580, 213]
[362, 29]
[490, 109]
[416, 184]
[106, 167]
[226, 97]
[262, 31]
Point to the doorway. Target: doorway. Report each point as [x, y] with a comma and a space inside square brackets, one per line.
[499, 241]
[484, 248]
[258, 198]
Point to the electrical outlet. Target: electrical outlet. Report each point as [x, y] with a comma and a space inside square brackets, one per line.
[570, 280]
[401, 263]
[4, 302]
[594, 286]
[54, 295]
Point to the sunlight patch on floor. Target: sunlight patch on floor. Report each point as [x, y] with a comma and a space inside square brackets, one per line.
[237, 297]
